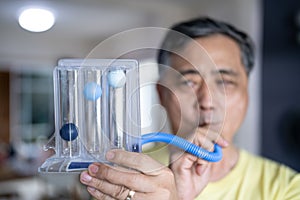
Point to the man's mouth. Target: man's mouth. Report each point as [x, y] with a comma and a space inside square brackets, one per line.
[204, 125]
[207, 121]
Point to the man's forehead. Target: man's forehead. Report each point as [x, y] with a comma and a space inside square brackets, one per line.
[175, 74]
[202, 64]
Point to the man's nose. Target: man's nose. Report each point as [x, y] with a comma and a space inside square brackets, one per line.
[204, 95]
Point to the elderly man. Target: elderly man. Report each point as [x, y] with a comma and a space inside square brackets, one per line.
[204, 69]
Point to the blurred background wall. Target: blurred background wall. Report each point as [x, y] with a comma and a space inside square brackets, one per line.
[27, 60]
[281, 81]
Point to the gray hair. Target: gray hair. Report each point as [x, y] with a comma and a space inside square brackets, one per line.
[202, 27]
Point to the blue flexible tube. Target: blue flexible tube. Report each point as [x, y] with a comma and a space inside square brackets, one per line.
[184, 145]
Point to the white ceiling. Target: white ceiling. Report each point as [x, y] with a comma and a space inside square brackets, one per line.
[82, 24]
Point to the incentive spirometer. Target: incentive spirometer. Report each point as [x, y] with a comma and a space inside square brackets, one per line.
[96, 105]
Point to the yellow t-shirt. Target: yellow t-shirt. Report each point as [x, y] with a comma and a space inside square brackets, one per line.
[253, 178]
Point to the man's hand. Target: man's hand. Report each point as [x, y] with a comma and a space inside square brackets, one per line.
[191, 173]
[134, 171]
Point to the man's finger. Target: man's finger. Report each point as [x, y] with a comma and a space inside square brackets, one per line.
[137, 161]
[103, 189]
[109, 180]
[213, 136]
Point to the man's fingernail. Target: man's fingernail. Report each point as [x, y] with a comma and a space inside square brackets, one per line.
[226, 144]
[110, 155]
[86, 178]
[91, 189]
[93, 168]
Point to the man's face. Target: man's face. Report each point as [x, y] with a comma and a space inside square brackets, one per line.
[206, 91]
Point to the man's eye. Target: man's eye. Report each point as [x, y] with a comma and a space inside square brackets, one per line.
[189, 83]
[225, 82]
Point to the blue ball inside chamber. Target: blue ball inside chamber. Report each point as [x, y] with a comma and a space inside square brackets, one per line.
[92, 91]
[68, 132]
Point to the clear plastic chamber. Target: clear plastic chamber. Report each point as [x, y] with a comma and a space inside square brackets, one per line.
[96, 109]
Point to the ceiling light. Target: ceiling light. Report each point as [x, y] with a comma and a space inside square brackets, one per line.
[36, 19]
